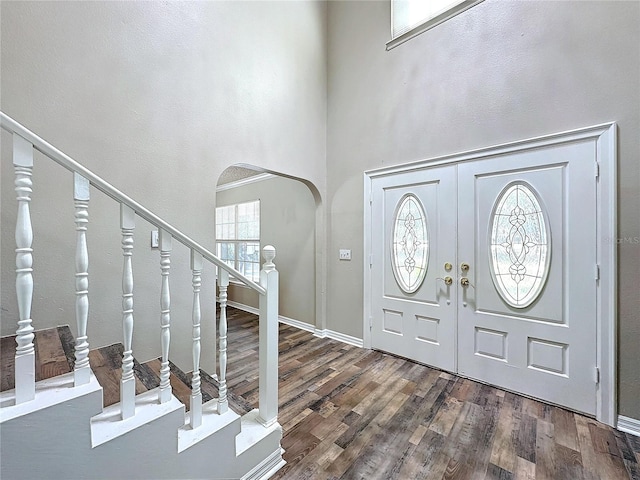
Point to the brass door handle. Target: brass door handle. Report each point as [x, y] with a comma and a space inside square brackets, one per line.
[447, 280]
[464, 281]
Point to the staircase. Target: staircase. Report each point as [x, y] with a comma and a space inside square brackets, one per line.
[70, 412]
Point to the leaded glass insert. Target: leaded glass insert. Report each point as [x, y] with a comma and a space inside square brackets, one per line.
[520, 245]
[410, 244]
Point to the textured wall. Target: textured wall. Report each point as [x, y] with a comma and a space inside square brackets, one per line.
[158, 98]
[499, 72]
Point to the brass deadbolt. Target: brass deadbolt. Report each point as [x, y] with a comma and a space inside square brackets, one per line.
[464, 266]
[448, 267]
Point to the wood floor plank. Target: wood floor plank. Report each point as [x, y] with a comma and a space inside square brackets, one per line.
[588, 454]
[524, 470]
[476, 433]
[108, 377]
[350, 462]
[49, 346]
[425, 458]
[68, 344]
[494, 472]
[565, 428]
[446, 416]
[330, 429]
[609, 458]
[545, 459]
[526, 440]
[373, 410]
[7, 362]
[568, 463]
[503, 452]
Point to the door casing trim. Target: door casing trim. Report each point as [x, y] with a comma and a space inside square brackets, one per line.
[605, 137]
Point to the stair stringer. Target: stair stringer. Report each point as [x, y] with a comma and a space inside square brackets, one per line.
[44, 438]
[55, 442]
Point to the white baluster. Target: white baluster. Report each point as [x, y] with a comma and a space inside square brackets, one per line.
[196, 393]
[81, 196]
[223, 283]
[165, 316]
[268, 355]
[128, 382]
[25, 352]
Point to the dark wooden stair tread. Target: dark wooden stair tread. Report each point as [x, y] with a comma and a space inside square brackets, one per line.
[54, 349]
[52, 357]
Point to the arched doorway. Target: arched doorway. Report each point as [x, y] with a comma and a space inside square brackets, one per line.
[290, 218]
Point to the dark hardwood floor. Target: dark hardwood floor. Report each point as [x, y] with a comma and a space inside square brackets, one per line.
[349, 413]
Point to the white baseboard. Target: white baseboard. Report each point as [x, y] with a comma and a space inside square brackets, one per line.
[267, 468]
[243, 307]
[629, 425]
[296, 323]
[282, 319]
[340, 337]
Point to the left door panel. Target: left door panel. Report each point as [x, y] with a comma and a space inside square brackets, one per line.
[413, 237]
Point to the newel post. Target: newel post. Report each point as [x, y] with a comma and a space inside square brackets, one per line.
[268, 407]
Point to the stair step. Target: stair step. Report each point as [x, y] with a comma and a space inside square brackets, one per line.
[55, 356]
[106, 363]
[108, 424]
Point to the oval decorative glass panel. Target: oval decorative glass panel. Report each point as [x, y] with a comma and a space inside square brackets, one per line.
[519, 245]
[410, 244]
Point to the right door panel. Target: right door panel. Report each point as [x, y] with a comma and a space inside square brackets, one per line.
[526, 228]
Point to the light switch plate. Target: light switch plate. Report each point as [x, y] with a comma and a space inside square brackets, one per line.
[345, 254]
[154, 238]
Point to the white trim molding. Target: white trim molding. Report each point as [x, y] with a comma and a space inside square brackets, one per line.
[604, 138]
[340, 337]
[282, 319]
[296, 323]
[267, 468]
[245, 181]
[430, 22]
[629, 425]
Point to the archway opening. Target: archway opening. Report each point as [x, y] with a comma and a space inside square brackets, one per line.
[289, 211]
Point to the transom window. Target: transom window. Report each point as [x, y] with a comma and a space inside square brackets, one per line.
[412, 17]
[238, 237]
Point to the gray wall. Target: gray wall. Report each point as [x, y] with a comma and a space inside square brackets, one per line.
[183, 90]
[499, 72]
[287, 221]
[158, 98]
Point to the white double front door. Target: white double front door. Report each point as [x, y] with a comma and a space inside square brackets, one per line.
[487, 268]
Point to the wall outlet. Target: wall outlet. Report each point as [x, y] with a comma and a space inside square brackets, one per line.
[345, 254]
[154, 239]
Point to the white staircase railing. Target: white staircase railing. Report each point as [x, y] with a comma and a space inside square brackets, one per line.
[24, 143]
